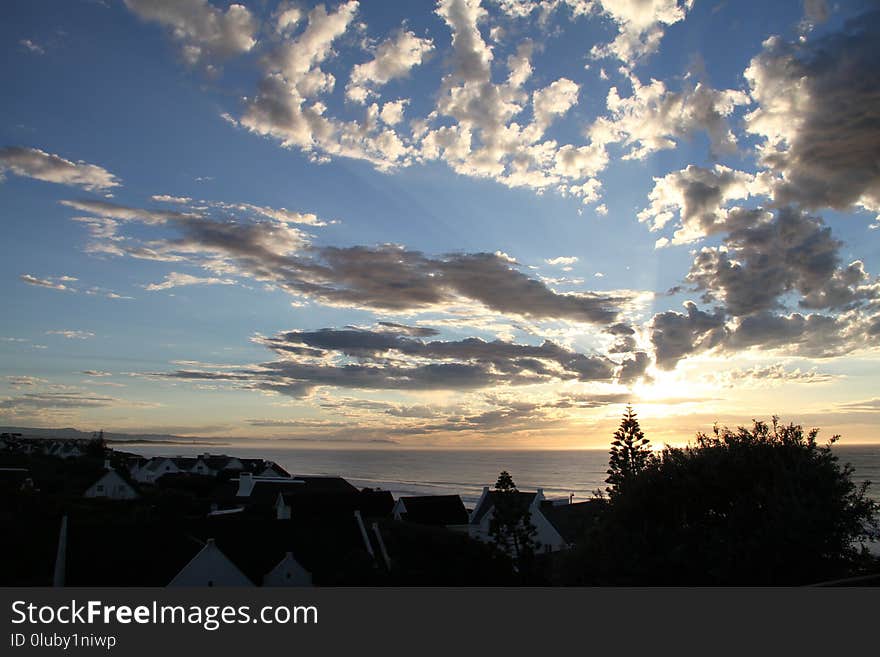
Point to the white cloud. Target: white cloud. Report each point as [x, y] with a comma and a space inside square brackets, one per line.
[32, 46]
[176, 279]
[72, 334]
[35, 163]
[562, 260]
[698, 198]
[641, 25]
[395, 58]
[54, 283]
[204, 32]
[165, 198]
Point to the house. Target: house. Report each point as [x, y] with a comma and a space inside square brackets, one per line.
[307, 500]
[547, 536]
[288, 572]
[573, 520]
[112, 486]
[156, 467]
[210, 567]
[437, 510]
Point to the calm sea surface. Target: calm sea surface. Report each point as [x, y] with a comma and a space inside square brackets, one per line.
[424, 472]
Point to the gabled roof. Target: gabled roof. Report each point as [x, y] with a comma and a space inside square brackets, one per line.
[326, 484]
[156, 462]
[371, 504]
[573, 521]
[435, 510]
[488, 503]
[210, 564]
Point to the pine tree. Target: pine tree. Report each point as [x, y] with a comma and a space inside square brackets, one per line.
[511, 526]
[630, 453]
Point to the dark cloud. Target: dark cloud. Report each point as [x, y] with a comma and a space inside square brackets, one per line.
[677, 335]
[385, 277]
[819, 103]
[372, 360]
[812, 335]
[633, 368]
[416, 331]
[57, 400]
[698, 197]
[766, 256]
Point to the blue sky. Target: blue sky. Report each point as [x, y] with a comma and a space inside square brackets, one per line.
[439, 224]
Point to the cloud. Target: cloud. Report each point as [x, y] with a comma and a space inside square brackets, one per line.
[25, 381]
[864, 405]
[287, 106]
[109, 210]
[386, 277]
[813, 335]
[654, 118]
[379, 360]
[818, 100]
[55, 400]
[676, 335]
[394, 58]
[553, 101]
[640, 24]
[768, 375]
[165, 198]
[54, 283]
[28, 403]
[71, 334]
[32, 46]
[176, 279]
[767, 255]
[698, 199]
[562, 260]
[34, 163]
[415, 331]
[204, 32]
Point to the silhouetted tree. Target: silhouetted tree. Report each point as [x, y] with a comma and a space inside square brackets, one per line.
[760, 505]
[511, 525]
[97, 446]
[630, 453]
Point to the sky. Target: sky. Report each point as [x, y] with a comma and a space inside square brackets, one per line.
[452, 224]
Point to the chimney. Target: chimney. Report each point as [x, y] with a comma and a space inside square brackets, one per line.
[245, 484]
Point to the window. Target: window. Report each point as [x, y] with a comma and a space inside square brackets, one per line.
[100, 488]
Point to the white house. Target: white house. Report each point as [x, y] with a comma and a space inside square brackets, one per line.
[288, 572]
[155, 468]
[210, 567]
[547, 535]
[113, 487]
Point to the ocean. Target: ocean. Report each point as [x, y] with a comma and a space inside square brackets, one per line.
[464, 472]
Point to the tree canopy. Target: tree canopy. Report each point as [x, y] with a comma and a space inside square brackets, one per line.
[759, 505]
[630, 453]
[511, 527]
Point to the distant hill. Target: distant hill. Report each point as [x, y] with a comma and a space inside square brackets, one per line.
[69, 433]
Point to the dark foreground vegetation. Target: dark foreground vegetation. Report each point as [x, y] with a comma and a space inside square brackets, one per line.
[765, 505]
